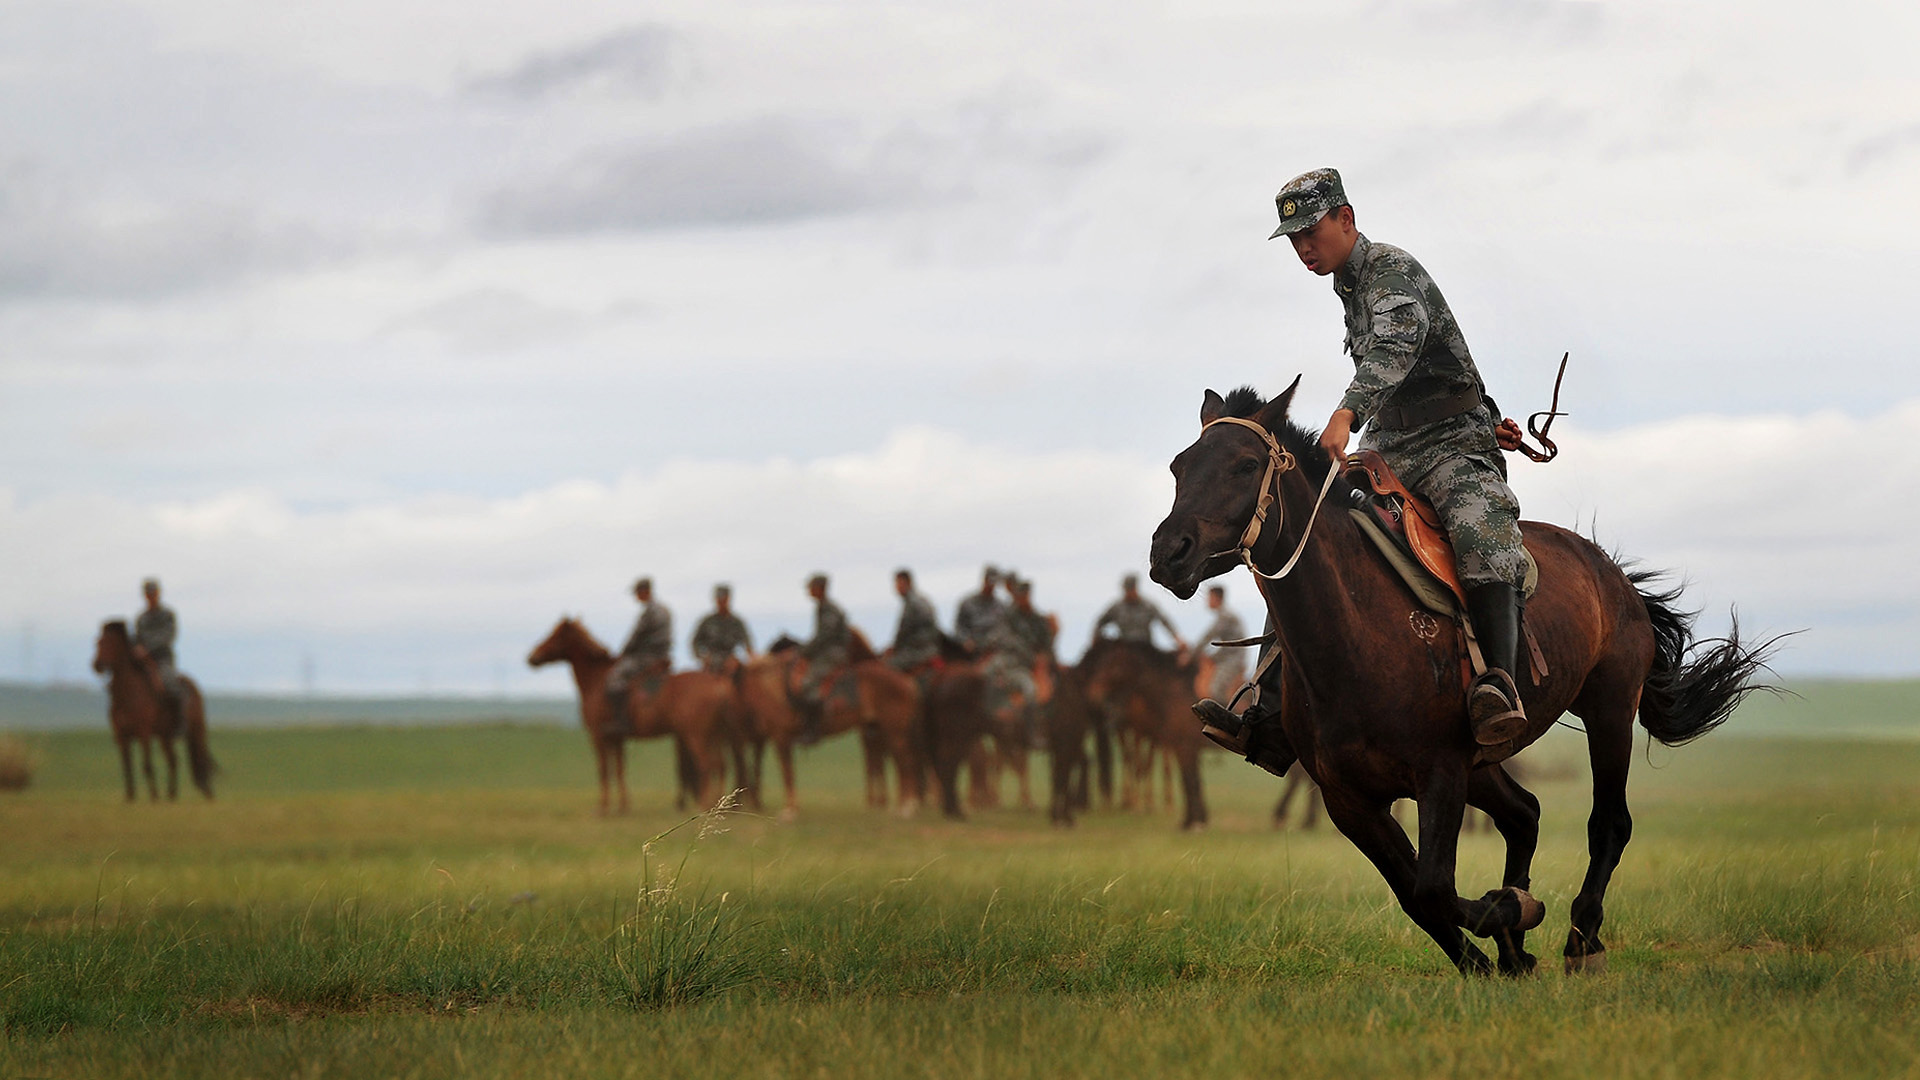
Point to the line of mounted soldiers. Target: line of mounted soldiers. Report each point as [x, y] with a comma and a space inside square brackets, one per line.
[1009, 635]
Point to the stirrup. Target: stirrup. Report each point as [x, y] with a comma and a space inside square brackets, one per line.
[1493, 706]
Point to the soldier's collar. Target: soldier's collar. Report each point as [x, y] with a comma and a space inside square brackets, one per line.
[1347, 278]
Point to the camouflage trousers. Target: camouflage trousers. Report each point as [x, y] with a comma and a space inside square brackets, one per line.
[1482, 519]
[1229, 675]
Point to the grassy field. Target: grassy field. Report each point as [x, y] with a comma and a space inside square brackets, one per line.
[442, 902]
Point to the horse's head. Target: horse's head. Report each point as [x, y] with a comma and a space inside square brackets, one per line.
[568, 641]
[112, 647]
[1216, 486]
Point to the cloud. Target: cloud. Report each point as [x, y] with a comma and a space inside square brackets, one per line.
[1883, 147]
[54, 245]
[645, 61]
[754, 172]
[781, 169]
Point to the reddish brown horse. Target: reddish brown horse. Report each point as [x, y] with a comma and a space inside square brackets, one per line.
[1376, 711]
[137, 710]
[698, 708]
[1148, 693]
[884, 709]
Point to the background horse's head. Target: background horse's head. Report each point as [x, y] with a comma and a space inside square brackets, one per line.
[569, 641]
[113, 647]
[1216, 485]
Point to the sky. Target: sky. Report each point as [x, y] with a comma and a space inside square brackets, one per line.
[387, 333]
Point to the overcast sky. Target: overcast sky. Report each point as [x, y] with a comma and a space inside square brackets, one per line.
[386, 332]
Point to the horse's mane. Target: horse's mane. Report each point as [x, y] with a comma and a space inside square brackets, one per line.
[1245, 402]
[114, 626]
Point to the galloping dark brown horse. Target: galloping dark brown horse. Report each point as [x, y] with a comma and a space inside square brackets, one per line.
[136, 710]
[1374, 704]
[698, 708]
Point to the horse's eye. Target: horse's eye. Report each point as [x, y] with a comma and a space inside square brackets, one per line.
[1246, 468]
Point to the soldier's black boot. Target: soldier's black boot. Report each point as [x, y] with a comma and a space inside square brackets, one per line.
[812, 714]
[1493, 701]
[619, 720]
[1253, 735]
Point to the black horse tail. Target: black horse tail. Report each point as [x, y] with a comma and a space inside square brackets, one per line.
[1694, 685]
[199, 756]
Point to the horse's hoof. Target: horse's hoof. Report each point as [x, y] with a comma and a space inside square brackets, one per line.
[1590, 964]
[1532, 912]
[789, 815]
[1519, 967]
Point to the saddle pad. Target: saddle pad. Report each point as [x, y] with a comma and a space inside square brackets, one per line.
[1433, 595]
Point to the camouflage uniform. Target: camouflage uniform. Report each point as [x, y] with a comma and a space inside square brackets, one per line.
[154, 630]
[1022, 638]
[827, 651]
[1229, 662]
[717, 638]
[1133, 620]
[916, 640]
[1409, 356]
[974, 623]
[646, 655]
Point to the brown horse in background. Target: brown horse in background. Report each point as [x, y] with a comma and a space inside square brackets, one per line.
[885, 712]
[1375, 708]
[698, 708]
[137, 709]
[1070, 717]
[1148, 693]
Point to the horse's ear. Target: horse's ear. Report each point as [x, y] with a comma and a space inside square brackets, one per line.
[1211, 408]
[1274, 413]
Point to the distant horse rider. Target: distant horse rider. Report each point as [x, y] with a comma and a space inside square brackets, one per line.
[979, 613]
[1133, 617]
[825, 654]
[1425, 409]
[720, 636]
[153, 633]
[916, 639]
[1023, 639]
[1229, 661]
[645, 658]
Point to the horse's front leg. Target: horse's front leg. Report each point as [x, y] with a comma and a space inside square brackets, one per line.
[126, 767]
[1370, 825]
[173, 770]
[1510, 910]
[146, 768]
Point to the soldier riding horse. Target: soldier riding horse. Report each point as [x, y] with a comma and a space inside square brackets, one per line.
[1372, 703]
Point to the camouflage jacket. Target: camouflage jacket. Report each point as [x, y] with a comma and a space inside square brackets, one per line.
[154, 631]
[917, 637]
[1226, 626]
[1133, 620]
[831, 634]
[652, 637]
[1408, 352]
[1023, 635]
[973, 624]
[718, 636]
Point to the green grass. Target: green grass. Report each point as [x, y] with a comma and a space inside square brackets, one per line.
[395, 902]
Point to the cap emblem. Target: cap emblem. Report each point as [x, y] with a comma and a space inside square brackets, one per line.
[1289, 208]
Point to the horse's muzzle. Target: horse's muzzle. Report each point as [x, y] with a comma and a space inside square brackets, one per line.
[1176, 559]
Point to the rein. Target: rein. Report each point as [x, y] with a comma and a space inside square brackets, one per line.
[1279, 460]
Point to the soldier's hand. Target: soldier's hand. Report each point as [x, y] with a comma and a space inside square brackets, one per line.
[1507, 434]
[1333, 439]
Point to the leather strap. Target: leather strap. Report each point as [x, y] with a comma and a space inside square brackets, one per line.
[1401, 417]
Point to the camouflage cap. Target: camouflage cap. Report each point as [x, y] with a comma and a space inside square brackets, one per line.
[816, 579]
[722, 589]
[643, 583]
[151, 584]
[1132, 581]
[1020, 587]
[1306, 199]
[990, 573]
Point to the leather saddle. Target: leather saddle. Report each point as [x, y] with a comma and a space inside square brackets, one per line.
[1406, 517]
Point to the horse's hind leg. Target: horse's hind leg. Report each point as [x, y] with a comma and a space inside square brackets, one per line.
[1380, 838]
[1516, 813]
[1610, 751]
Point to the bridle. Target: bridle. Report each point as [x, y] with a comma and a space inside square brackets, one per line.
[1279, 460]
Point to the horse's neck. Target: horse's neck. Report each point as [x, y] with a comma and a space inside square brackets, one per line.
[1316, 608]
[130, 687]
[589, 673]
